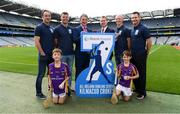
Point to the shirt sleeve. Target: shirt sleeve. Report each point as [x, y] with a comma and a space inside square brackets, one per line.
[68, 70]
[119, 67]
[37, 31]
[55, 34]
[76, 34]
[128, 33]
[135, 69]
[146, 33]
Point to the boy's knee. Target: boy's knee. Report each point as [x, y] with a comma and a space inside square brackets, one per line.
[126, 99]
[55, 102]
[61, 102]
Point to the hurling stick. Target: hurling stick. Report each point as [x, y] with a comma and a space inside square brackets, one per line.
[114, 99]
[48, 101]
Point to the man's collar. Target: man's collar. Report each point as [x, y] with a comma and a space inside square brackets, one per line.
[104, 28]
[65, 25]
[84, 26]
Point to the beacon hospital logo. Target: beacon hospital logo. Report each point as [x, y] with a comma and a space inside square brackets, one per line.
[97, 80]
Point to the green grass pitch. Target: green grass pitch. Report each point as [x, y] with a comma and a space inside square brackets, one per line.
[163, 74]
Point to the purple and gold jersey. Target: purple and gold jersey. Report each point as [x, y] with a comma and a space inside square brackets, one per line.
[58, 75]
[126, 71]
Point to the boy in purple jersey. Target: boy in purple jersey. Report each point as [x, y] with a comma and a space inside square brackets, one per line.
[58, 75]
[126, 71]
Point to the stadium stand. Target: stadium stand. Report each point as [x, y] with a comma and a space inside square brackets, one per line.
[174, 40]
[154, 40]
[161, 40]
[4, 43]
[29, 41]
[17, 23]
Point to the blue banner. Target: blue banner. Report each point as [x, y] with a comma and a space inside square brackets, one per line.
[97, 80]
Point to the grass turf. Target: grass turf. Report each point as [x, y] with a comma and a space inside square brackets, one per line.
[163, 73]
[19, 59]
[18, 96]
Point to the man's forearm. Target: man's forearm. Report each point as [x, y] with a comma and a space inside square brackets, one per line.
[38, 46]
[129, 43]
[149, 45]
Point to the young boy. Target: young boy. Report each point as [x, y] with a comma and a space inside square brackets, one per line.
[126, 71]
[58, 75]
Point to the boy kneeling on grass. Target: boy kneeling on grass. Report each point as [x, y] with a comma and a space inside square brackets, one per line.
[58, 76]
[126, 71]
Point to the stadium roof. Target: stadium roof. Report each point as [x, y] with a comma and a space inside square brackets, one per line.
[23, 9]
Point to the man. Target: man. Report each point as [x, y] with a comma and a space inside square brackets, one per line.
[44, 42]
[140, 47]
[105, 28]
[122, 41]
[64, 41]
[81, 58]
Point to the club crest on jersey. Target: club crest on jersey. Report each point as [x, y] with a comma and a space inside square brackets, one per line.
[120, 31]
[70, 31]
[136, 32]
[51, 30]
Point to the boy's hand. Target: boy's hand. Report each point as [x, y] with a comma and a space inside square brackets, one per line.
[127, 77]
[67, 78]
[61, 86]
[49, 85]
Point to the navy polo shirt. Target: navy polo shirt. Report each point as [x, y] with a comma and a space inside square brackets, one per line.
[139, 35]
[121, 42]
[45, 33]
[65, 39]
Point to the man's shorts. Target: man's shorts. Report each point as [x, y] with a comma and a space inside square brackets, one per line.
[59, 95]
[126, 91]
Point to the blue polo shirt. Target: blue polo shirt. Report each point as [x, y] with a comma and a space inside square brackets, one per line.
[121, 42]
[45, 33]
[65, 39]
[139, 35]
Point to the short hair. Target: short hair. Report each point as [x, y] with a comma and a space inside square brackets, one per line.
[136, 13]
[64, 13]
[57, 50]
[104, 17]
[42, 13]
[84, 15]
[127, 53]
[119, 16]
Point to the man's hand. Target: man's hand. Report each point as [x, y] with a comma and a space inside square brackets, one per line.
[42, 53]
